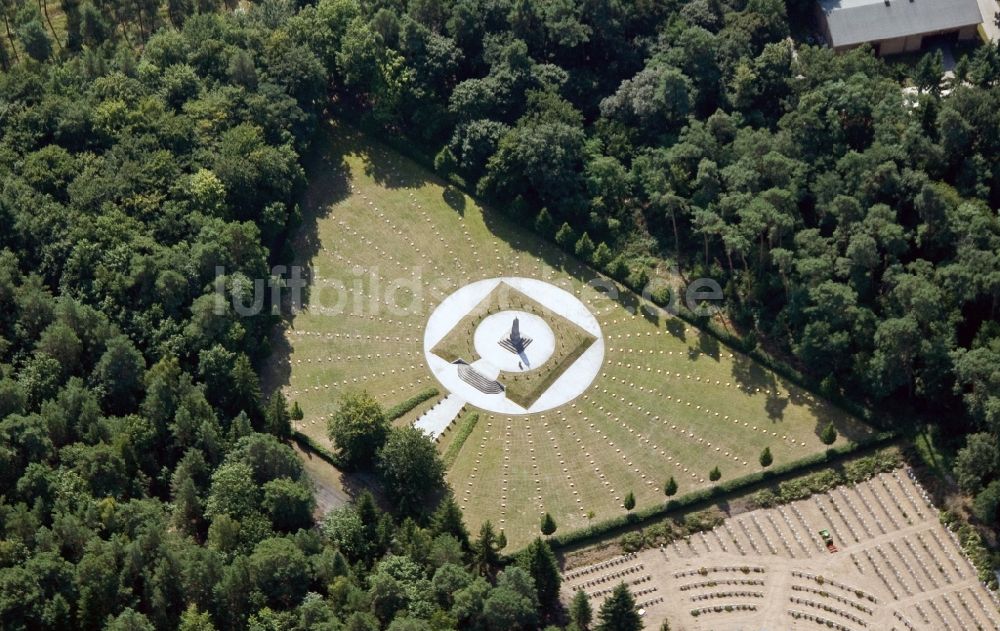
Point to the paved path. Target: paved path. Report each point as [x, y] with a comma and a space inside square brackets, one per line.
[438, 418]
[989, 9]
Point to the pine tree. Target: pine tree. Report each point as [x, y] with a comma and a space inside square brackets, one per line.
[486, 551]
[629, 502]
[584, 247]
[765, 457]
[829, 434]
[565, 237]
[670, 489]
[548, 525]
[580, 612]
[276, 416]
[544, 224]
[714, 474]
[296, 412]
[617, 268]
[447, 520]
[539, 561]
[239, 428]
[188, 511]
[602, 255]
[618, 612]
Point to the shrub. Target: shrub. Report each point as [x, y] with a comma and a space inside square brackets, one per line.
[714, 474]
[402, 408]
[670, 488]
[617, 268]
[629, 502]
[764, 498]
[296, 412]
[829, 434]
[632, 542]
[465, 427]
[548, 525]
[765, 458]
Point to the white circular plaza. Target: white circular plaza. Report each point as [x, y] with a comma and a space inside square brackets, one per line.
[505, 351]
[532, 327]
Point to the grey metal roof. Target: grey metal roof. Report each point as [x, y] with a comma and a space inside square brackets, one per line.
[856, 21]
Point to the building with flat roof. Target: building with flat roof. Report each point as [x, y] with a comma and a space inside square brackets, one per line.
[896, 26]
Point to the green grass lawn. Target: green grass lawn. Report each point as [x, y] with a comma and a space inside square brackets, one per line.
[387, 241]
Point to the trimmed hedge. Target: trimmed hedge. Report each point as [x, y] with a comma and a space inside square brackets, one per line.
[608, 527]
[402, 408]
[465, 427]
[308, 444]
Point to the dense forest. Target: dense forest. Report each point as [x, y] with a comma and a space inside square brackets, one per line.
[144, 480]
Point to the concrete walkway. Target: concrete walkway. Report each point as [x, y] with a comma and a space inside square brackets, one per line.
[989, 9]
[438, 418]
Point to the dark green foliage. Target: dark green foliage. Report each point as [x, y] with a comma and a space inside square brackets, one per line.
[987, 503]
[565, 236]
[828, 435]
[629, 502]
[465, 426]
[358, 429]
[486, 551]
[766, 459]
[715, 474]
[580, 611]
[402, 408]
[277, 418]
[35, 40]
[540, 563]
[618, 612]
[584, 247]
[544, 224]
[411, 470]
[548, 525]
[670, 488]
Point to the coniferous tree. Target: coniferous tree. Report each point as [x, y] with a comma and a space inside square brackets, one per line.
[277, 418]
[447, 520]
[765, 457]
[580, 611]
[539, 561]
[548, 525]
[486, 551]
[829, 434]
[618, 612]
[670, 488]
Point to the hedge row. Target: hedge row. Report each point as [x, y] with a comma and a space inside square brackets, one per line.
[402, 408]
[465, 427]
[822, 481]
[972, 545]
[307, 443]
[604, 528]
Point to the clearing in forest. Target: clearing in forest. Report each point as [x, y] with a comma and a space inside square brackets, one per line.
[385, 242]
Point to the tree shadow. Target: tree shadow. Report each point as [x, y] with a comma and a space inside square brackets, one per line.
[454, 198]
[329, 183]
[677, 328]
[750, 375]
[390, 169]
[775, 406]
[709, 345]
